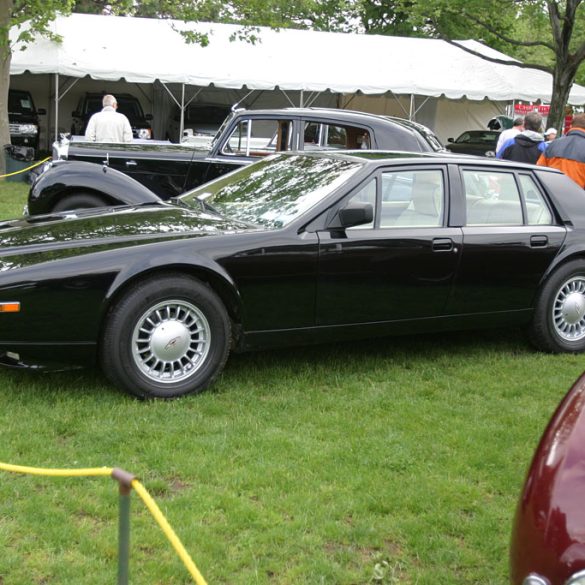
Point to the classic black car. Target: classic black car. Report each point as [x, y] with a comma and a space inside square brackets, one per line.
[295, 249]
[245, 136]
[129, 105]
[476, 142]
[23, 119]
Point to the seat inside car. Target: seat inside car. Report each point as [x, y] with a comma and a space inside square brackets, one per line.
[426, 205]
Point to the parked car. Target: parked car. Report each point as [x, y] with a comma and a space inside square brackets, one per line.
[23, 119]
[477, 142]
[200, 119]
[297, 248]
[245, 136]
[500, 122]
[129, 105]
[548, 538]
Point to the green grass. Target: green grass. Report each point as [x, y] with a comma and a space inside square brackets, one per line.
[394, 461]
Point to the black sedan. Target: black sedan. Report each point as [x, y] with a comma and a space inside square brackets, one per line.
[295, 249]
[477, 142]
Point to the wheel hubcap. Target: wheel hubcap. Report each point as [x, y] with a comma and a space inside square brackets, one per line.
[569, 310]
[171, 341]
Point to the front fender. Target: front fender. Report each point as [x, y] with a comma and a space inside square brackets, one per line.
[138, 267]
[65, 178]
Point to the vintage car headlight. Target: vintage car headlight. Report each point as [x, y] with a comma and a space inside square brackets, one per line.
[144, 133]
[24, 129]
[577, 579]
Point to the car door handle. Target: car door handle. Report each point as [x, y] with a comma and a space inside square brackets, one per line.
[538, 241]
[131, 163]
[443, 245]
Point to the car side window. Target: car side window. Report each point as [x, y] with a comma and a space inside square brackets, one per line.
[257, 137]
[320, 136]
[537, 211]
[492, 198]
[412, 199]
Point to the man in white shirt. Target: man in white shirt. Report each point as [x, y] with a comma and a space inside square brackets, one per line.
[109, 125]
[517, 127]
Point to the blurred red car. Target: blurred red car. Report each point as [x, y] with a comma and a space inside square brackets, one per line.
[548, 537]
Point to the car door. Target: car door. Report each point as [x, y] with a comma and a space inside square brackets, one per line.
[402, 265]
[510, 238]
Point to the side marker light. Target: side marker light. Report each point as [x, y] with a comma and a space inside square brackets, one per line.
[9, 307]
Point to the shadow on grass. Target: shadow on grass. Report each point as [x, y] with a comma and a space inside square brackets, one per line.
[266, 366]
[414, 347]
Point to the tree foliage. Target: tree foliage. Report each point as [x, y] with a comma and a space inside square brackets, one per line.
[544, 34]
[29, 17]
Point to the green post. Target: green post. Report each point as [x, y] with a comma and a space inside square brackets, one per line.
[125, 481]
[124, 536]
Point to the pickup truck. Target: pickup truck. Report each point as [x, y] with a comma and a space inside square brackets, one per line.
[167, 170]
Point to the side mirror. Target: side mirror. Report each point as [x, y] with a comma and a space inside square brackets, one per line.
[450, 139]
[352, 215]
[41, 112]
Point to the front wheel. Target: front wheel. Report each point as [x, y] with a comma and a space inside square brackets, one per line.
[559, 318]
[167, 337]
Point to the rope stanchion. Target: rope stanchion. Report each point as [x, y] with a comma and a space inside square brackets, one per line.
[27, 168]
[126, 482]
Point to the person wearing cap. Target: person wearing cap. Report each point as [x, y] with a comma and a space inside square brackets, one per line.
[505, 135]
[550, 135]
[567, 153]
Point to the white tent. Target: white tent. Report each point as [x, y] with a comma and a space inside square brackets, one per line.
[144, 50]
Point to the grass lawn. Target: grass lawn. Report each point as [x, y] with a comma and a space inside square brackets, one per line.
[393, 461]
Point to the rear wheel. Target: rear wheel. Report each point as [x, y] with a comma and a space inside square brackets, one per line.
[168, 336]
[559, 318]
[80, 201]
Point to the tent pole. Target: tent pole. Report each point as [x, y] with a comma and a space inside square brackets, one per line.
[301, 99]
[56, 107]
[411, 112]
[182, 122]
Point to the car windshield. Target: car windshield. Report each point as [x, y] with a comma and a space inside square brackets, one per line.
[20, 102]
[274, 191]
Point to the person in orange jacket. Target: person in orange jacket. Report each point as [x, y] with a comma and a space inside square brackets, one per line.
[568, 152]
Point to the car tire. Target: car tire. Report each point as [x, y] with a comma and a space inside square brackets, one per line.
[80, 201]
[558, 324]
[166, 337]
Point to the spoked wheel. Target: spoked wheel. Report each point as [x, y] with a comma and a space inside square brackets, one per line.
[569, 310]
[168, 336]
[559, 318]
[171, 341]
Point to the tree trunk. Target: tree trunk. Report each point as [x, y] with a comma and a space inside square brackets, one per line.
[563, 79]
[5, 58]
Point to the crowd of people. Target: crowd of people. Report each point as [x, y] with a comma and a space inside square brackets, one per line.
[525, 142]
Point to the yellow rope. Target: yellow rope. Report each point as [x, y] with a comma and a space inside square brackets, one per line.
[93, 471]
[169, 532]
[27, 168]
[140, 490]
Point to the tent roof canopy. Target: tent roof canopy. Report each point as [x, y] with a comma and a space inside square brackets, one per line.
[143, 50]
